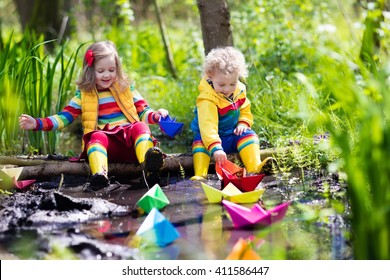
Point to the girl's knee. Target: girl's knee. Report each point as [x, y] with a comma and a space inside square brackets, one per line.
[139, 128]
[100, 137]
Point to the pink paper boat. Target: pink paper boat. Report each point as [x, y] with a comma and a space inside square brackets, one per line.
[24, 184]
[244, 217]
[9, 178]
[170, 126]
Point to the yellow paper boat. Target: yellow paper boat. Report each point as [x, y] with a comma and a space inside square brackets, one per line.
[231, 193]
[13, 172]
[9, 179]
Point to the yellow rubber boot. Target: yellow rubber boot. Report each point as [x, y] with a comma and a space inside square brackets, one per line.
[201, 166]
[201, 159]
[250, 157]
[143, 143]
[97, 157]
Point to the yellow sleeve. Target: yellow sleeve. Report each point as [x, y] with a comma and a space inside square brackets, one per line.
[246, 116]
[208, 124]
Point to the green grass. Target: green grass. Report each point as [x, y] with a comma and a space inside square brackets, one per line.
[36, 83]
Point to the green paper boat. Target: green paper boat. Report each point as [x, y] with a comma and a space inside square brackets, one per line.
[154, 197]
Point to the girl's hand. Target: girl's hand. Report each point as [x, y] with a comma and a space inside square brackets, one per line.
[220, 157]
[240, 129]
[161, 113]
[27, 122]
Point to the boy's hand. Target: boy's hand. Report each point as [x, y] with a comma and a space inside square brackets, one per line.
[240, 129]
[27, 122]
[220, 157]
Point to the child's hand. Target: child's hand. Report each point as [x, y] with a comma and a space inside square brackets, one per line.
[220, 157]
[161, 113]
[240, 129]
[27, 122]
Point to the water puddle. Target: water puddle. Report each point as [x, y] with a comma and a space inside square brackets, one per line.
[310, 229]
[206, 232]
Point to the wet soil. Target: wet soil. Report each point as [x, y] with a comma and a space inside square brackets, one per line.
[69, 221]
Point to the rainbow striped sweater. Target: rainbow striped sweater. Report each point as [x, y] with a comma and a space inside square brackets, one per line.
[108, 112]
[217, 115]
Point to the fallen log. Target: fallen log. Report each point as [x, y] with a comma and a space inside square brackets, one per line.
[48, 166]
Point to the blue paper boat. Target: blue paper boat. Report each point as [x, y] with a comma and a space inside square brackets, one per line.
[170, 127]
[157, 229]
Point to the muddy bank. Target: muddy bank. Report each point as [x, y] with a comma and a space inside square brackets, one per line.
[47, 217]
[64, 211]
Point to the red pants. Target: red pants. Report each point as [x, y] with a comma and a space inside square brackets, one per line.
[119, 141]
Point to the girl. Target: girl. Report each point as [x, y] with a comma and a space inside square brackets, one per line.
[114, 117]
[223, 118]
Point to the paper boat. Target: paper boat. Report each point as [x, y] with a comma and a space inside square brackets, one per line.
[22, 185]
[231, 168]
[231, 193]
[170, 127]
[231, 173]
[154, 197]
[157, 229]
[242, 250]
[9, 178]
[243, 217]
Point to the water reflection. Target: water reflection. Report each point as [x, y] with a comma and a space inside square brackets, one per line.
[206, 232]
[213, 237]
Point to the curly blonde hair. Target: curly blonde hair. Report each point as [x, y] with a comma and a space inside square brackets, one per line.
[226, 60]
[102, 49]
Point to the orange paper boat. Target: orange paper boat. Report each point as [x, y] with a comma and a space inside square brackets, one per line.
[243, 251]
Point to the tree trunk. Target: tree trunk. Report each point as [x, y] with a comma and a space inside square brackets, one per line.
[141, 10]
[164, 36]
[47, 17]
[24, 8]
[215, 22]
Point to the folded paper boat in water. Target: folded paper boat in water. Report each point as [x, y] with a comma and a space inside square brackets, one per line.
[244, 217]
[154, 197]
[232, 173]
[231, 193]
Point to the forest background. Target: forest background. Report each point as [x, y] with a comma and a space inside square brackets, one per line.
[318, 69]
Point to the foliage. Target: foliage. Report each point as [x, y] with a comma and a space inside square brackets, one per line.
[361, 135]
[28, 80]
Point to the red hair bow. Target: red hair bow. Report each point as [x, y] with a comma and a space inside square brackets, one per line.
[89, 57]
